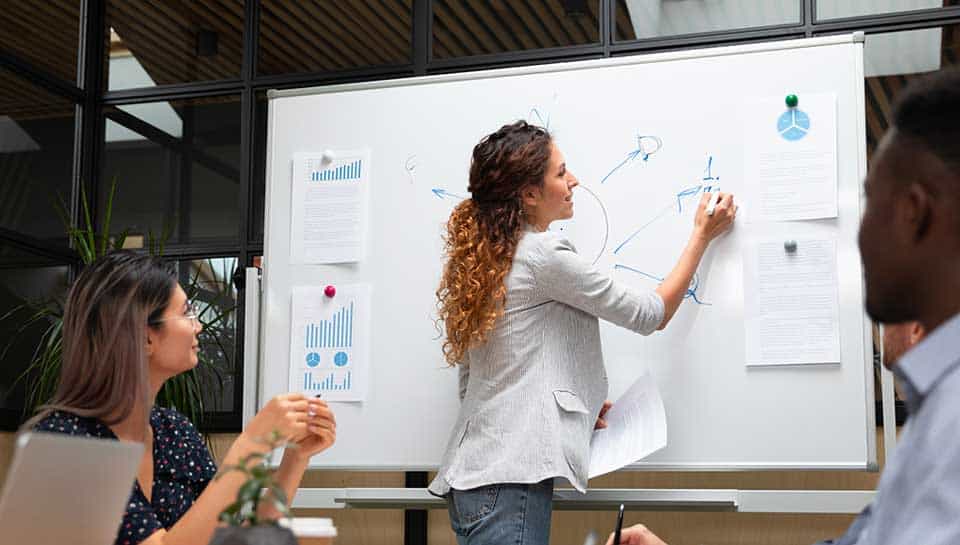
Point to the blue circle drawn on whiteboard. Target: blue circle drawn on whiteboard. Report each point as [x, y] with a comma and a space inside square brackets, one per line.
[313, 359]
[340, 359]
[793, 124]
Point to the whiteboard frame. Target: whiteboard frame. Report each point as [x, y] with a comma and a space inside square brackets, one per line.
[857, 80]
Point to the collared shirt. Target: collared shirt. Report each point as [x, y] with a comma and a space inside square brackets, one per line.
[918, 498]
[182, 468]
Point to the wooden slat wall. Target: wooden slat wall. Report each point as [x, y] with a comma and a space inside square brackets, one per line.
[43, 32]
[478, 27]
[318, 36]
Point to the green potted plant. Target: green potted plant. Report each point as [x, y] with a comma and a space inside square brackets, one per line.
[246, 523]
[183, 392]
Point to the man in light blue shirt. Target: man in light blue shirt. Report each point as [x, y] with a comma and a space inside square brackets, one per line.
[910, 247]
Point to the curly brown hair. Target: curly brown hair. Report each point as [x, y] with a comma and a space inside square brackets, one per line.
[483, 231]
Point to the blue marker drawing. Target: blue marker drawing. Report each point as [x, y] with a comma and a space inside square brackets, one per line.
[659, 215]
[691, 289]
[709, 183]
[443, 193]
[409, 166]
[545, 123]
[647, 145]
[793, 124]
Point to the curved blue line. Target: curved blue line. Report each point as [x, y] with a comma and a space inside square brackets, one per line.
[691, 292]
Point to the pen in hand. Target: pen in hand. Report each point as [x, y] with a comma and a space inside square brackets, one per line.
[616, 532]
[712, 204]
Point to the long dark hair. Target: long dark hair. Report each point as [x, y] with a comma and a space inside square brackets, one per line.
[109, 307]
[483, 231]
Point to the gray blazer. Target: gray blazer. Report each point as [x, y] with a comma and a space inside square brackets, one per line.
[531, 393]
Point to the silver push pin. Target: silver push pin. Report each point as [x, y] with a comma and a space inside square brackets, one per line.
[790, 246]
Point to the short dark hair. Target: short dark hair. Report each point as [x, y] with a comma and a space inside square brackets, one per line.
[928, 112]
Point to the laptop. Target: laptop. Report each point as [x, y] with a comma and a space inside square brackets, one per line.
[62, 489]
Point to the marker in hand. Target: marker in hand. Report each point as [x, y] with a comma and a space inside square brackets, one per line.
[712, 204]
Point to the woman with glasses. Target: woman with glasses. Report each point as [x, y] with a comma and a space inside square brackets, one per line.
[128, 328]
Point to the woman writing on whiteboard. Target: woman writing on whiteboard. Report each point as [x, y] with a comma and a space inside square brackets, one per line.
[127, 328]
[520, 308]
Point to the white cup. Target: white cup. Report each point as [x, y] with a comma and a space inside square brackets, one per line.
[311, 531]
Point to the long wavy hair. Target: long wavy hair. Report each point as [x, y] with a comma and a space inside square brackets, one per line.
[483, 231]
[109, 307]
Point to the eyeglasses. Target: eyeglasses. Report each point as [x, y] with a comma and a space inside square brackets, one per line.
[192, 313]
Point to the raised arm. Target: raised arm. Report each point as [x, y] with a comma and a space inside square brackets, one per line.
[706, 228]
[287, 414]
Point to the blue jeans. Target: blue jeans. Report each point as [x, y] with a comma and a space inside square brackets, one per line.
[502, 514]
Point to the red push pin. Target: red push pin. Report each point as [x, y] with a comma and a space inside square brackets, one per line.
[329, 291]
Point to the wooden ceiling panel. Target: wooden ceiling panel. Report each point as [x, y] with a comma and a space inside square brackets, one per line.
[44, 33]
[163, 37]
[323, 35]
[483, 27]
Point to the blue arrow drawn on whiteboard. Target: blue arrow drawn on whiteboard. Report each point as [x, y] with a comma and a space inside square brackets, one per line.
[443, 193]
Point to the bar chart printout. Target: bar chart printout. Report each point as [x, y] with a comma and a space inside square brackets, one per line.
[330, 342]
[328, 223]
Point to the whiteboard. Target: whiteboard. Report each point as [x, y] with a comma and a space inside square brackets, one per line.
[420, 132]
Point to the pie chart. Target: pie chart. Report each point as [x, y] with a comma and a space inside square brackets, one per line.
[793, 124]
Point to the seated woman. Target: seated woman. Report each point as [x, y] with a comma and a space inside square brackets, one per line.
[127, 328]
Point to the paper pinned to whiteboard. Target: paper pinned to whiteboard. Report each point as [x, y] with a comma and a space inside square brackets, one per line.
[330, 210]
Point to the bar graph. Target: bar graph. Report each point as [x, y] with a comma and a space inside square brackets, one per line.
[348, 172]
[331, 382]
[337, 332]
[330, 340]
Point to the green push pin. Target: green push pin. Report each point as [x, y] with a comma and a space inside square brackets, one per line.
[792, 101]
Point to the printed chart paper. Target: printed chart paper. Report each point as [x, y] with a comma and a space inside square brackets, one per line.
[790, 158]
[330, 342]
[329, 207]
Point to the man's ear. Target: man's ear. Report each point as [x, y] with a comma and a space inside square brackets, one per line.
[916, 206]
[916, 333]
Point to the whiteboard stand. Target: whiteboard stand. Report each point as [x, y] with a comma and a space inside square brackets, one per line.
[727, 500]
[251, 343]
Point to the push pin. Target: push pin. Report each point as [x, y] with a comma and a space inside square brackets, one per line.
[790, 246]
[792, 101]
[327, 157]
[329, 291]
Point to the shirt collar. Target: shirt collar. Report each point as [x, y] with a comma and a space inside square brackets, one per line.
[927, 363]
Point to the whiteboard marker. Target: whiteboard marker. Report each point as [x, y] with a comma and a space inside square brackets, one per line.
[714, 198]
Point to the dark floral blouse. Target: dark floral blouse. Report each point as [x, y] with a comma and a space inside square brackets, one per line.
[182, 468]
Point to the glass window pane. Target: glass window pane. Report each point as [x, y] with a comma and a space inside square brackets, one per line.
[25, 288]
[157, 42]
[639, 19]
[474, 27]
[258, 183]
[325, 36]
[892, 59]
[208, 283]
[831, 9]
[176, 166]
[45, 34]
[36, 157]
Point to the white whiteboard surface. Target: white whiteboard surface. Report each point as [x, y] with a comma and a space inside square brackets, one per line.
[721, 414]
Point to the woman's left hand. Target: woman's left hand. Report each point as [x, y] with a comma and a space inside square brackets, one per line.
[601, 421]
[322, 428]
